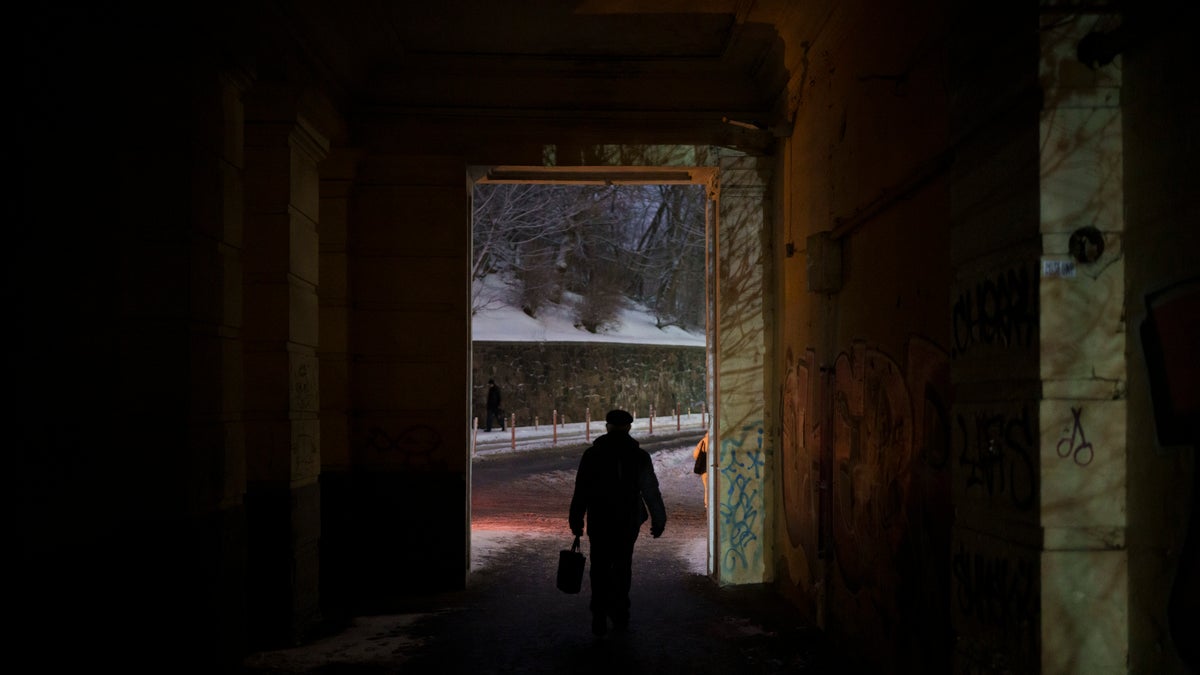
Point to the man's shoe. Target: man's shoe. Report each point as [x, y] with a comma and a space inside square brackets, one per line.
[599, 624]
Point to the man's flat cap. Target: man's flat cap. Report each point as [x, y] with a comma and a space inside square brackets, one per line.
[619, 418]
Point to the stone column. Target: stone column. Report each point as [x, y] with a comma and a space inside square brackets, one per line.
[1038, 562]
[337, 490]
[409, 264]
[744, 446]
[282, 402]
[1083, 565]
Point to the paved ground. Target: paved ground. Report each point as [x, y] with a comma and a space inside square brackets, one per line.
[512, 619]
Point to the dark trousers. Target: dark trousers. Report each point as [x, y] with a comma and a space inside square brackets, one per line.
[494, 414]
[611, 574]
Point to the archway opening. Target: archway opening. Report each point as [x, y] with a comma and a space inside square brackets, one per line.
[595, 299]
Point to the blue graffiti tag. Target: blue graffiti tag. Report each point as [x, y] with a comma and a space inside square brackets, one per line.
[740, 510]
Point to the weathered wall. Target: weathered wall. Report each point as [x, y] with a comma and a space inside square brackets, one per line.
[1029, 441]
[539, 378]
[127, 283]
[863, 524]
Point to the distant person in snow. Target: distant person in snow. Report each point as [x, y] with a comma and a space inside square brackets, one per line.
[617, 490]
[493, 406]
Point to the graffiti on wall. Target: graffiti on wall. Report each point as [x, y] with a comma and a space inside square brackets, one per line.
[999, 594]
[872, 453]
[890, 501]
[801, 458]
[742, 461]
[1076, 446]
[1000, 310]
[995, 452]
[304, 385]
[414, 447]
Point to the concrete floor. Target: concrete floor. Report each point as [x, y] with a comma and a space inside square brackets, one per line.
[512, 619]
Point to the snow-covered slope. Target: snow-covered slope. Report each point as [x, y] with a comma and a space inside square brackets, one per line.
[499, 321]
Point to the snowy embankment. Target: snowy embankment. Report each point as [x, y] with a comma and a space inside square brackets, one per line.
[497, 319]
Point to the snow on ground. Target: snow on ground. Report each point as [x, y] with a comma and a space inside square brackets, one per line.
[499, 320]
[485, 443]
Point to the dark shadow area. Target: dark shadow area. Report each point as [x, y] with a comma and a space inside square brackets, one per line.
[511, 618]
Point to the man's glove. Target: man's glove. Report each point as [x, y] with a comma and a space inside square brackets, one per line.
[656, 531]
[577, 531]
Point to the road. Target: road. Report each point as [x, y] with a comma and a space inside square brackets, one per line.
[520, 498]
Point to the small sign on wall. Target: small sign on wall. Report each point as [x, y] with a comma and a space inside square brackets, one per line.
[1058, 268]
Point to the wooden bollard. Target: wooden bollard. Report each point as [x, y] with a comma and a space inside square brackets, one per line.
[554, 423]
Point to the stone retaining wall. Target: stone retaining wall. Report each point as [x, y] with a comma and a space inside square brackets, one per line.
[538, 378]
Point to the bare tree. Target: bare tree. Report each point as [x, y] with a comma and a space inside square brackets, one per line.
[669, 256]
[600, 306]
[602, 243]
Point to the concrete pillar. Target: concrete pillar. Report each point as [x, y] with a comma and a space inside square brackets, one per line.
[1038, 559]
[1081, 435]
[337, 519]
[742, 437]
[410, 261]
[337, 181]
[280, 336]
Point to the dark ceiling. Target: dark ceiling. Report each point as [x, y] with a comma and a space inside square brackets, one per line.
[614, 56]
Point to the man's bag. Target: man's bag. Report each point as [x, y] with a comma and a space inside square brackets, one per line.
[570, 569]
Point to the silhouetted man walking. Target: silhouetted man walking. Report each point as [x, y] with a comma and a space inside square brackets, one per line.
[617, 490]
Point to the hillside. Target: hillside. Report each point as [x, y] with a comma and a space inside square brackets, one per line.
[498, 321]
